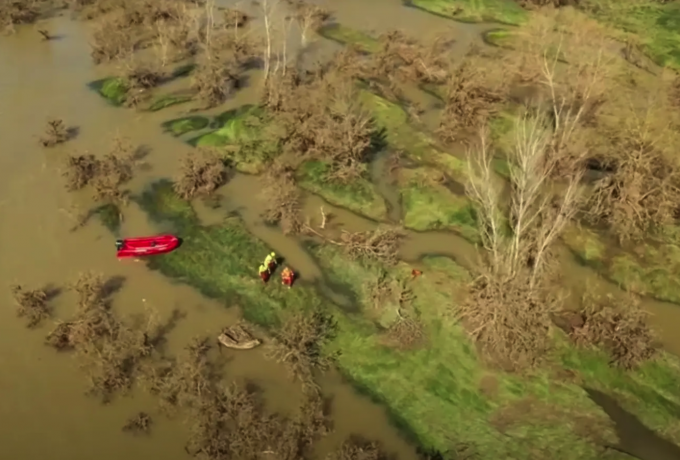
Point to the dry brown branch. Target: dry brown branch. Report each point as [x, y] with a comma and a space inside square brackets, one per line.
[619, 326]
[381, 244]
[201, 173]
[32, 304]
[16, 12]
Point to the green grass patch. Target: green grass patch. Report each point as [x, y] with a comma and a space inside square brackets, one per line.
[473, 11]
[360, 196]
[180, 126]
[347, 36]
[652, 271]
[431, 206]
[403, 136]
[501, 38]
[112, 89]
[220, 260]
[110, 217]
[433, 392]
[436, 393]
[656, 25]
[586, 245]
[168, 100]
[244, 130]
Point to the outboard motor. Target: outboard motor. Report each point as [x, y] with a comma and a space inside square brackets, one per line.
[119, 245]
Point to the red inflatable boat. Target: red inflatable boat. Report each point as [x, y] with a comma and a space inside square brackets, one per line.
[146, 246]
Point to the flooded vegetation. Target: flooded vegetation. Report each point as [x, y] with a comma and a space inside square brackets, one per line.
[482, 221]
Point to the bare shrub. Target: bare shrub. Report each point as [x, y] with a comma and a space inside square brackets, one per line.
[309, 17]
[113, 171]
[201, 173]
[109, 349]
[186, 381]
[508, 312]
[406, 333]
[617, 325]
[472, 97]
[381, 244]
[234, 18]
[56, 132]
[641, 194]
[357, 448]
[112, 39]
[16, 12]
[282, 197]
[322, 119]
[299, 344]
[32, 304]
[234, 425]
[140, 423]
[219, 69]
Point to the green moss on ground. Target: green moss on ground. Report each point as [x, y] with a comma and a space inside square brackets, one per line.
[439, 392]
[500, 11]
[428, 205]
[586, 245]
[650, 270]
[245, 130]
[112, 89]
[352, 37]
[657, 25]
[110, 217]
[360, 196]
[180, 126]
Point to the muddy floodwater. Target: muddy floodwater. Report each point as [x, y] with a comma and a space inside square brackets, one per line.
[43, 411]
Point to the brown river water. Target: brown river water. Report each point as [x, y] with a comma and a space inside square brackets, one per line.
[43, 411]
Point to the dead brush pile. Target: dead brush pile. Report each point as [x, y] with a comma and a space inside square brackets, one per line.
[618, 326]
[322, 119]
[641, 194]
[399, 60]
[32, 304]
[533, 4]
[381, 244]
[139, 77]
[282, 197]
[201, 173]
[109, 349]
[299, 345]
[105, 175]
